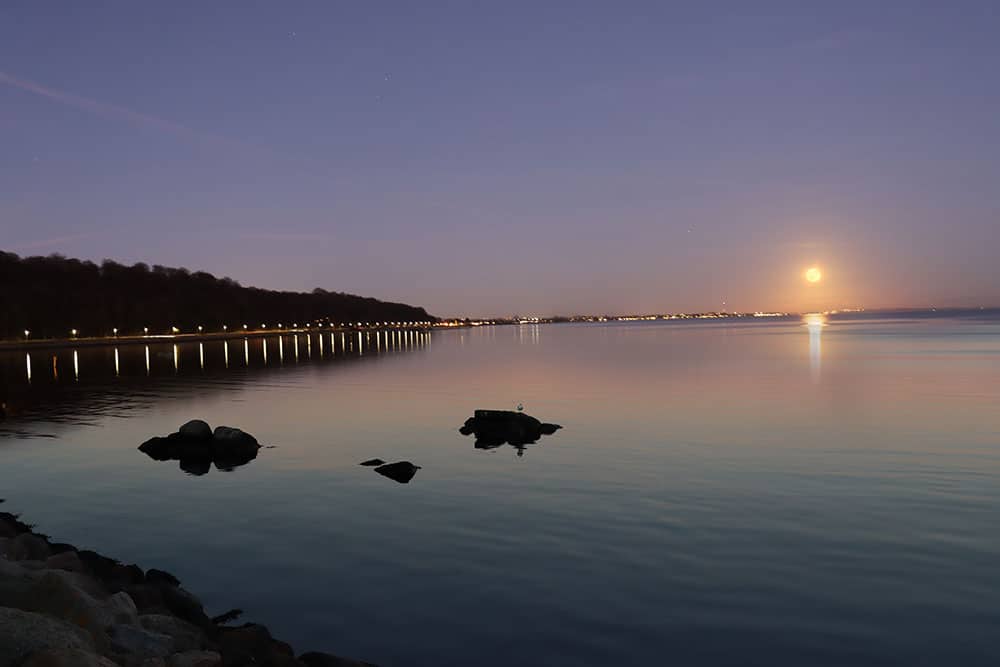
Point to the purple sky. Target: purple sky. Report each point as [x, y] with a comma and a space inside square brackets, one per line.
[516, 157]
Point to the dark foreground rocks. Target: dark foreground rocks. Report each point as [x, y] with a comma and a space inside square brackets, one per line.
[494, 428]
[63, 607]
[197, 447]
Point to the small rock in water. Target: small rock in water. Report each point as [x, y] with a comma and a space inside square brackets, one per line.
[493, 428]
[401, 471]
[197, 447]
[373, 462]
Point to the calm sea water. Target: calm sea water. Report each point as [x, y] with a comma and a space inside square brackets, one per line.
[724, 493]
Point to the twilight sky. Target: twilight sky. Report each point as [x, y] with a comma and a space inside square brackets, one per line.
[516, 157]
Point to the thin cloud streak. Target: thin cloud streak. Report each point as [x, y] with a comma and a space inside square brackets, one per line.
[114, 112]
[291, 237]
[47, 243]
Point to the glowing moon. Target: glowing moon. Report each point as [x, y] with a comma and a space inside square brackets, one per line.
[814, 275]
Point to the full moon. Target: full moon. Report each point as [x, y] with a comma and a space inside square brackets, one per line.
[813, 275]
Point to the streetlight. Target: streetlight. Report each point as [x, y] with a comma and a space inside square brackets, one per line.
[145, 330]
[114, 331]
[244, 327]
[199, 328]
[174, 329]
[26, 333]
[224, 327]
[73, 332]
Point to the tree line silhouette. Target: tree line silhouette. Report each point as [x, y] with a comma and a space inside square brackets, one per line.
[50, 296]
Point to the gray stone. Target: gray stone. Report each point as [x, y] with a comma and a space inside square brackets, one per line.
[137, 642]
[67, 560]
[195, 659]
[186, 636]
[24, 632]
[196, 429]
[54, 594]
[66, 657]
[11, 551]
[33, 546]
[121, 609]
[14, 590]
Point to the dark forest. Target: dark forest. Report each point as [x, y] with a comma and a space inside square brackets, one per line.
[50, 296]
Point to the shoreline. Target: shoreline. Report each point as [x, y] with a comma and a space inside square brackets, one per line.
[61, 607]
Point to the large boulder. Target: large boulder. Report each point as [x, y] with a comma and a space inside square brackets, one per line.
[24, 632]
[136, 642]
[196, 429]
[35, 546]
[67, 560]
[66, 657]
[186, 636]
[56, 595]
[195, 659]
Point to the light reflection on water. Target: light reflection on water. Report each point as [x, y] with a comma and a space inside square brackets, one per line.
[722, 493]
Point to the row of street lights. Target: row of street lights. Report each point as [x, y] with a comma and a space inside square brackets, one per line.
[174, 330]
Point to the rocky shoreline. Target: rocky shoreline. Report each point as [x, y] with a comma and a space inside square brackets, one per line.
[65, 607]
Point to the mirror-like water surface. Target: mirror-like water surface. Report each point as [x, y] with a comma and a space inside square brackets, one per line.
[778, 492]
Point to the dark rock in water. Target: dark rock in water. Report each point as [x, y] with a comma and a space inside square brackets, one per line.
[401, 471]
[232, 439]
[196, 429]
[494, 428]
[373, 462]
[197, 447]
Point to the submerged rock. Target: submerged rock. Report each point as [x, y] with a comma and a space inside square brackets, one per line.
[197, 447]
[494, 428]
[401, 471]
[373, 462]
